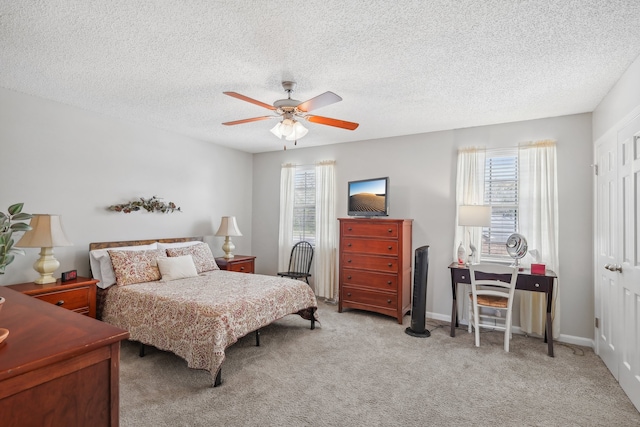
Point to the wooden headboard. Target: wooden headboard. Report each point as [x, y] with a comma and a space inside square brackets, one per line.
[119, 244]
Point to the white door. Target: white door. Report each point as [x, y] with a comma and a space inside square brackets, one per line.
[628, 261]
[607, 291]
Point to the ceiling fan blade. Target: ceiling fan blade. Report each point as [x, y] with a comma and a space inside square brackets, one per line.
[254, 119]
[333, 122]
[319, 101]
[251, 100]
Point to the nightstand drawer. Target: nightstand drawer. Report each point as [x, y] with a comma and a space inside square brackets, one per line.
[239, 263]
[78, 295]
[72, 299]
[242, 267]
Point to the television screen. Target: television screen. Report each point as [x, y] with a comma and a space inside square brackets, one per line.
[368, 197]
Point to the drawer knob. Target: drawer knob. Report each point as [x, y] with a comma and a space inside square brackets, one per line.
[349, 228]
[390, 264]
[388, 282]
[349, 277]
[388, 301]
[349, 244]
[389, 247]
[348, 294]
[60, 302]
[463, 277]
[348, 260]
[241, 268]
[389, 230]
[537, 285]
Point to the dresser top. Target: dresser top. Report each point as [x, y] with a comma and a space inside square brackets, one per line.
[41, 334]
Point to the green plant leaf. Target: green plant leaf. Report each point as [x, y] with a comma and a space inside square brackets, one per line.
[22, 216]
[15, 209]
[20, 226]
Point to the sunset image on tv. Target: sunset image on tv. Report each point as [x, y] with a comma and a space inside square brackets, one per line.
[367, 196]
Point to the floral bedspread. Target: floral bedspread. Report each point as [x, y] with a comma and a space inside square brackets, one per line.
[199, 317]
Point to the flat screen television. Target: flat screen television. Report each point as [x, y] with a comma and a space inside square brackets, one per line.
[368, 197]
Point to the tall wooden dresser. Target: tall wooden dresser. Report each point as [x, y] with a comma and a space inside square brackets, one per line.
[375, 265]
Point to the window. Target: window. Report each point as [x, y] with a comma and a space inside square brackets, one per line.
[304, 205]
[501, 192]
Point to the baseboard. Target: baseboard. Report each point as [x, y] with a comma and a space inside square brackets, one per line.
[568, 339]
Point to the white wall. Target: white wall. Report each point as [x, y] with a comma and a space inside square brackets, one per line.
[422, 171]
[622, 102]
[64, 160]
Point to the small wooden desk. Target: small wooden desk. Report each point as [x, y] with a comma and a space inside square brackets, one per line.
[526, 282]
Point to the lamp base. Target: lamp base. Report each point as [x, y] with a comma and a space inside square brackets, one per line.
[46, 265]
[228, 248]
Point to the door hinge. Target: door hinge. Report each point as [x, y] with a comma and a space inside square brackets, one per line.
[595, 169]
[597, 323]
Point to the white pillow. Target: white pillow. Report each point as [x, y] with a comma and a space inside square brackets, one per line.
[179, 267]
[165, 246]
[101, 266]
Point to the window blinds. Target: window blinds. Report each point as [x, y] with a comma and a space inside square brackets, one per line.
[501, 192]
[304, 205]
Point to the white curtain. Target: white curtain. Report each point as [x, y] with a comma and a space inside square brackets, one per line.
[287, 188]
[325, 251]
[469, 191]
[538, 209]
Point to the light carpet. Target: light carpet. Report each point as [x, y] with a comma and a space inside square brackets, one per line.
[361, 369]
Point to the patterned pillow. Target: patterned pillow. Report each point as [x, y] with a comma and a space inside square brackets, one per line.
[136, 266]
[202, 256]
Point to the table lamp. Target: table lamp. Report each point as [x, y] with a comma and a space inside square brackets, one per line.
[474, 216]
[228, 227]
[46, 233]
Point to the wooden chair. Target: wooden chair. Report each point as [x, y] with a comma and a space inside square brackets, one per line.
[299, 262]
[492, 288]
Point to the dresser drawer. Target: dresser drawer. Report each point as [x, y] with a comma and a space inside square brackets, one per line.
[369, 279]
[369, 229]
[368, 297]
[73, 299]
[241, 267]
[378, 247]
[369, 262]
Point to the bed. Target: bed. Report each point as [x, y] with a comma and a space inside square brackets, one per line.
[168, 293]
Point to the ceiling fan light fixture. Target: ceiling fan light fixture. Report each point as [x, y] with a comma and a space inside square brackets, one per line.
[298, 131]
[286, 127]
[276, 130]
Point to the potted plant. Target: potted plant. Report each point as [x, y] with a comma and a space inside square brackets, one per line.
[9, 224]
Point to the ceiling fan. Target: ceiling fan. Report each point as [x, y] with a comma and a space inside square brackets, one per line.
[291, 111]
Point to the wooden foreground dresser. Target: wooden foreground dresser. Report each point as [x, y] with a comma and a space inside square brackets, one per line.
[57, 367]
[375, 265]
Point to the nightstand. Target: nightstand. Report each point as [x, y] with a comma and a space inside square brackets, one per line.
[77, 295]
[239, 263]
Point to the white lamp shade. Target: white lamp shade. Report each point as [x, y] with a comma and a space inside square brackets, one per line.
[474, 215]
[228, 227]
[46, 232]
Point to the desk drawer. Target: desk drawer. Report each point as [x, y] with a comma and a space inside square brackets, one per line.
[378, 247]
[369, 262]
[72, 299]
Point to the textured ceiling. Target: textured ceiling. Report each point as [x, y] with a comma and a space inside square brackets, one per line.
[401, 67]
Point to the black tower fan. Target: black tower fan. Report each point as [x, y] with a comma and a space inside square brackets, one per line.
[419, 307]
